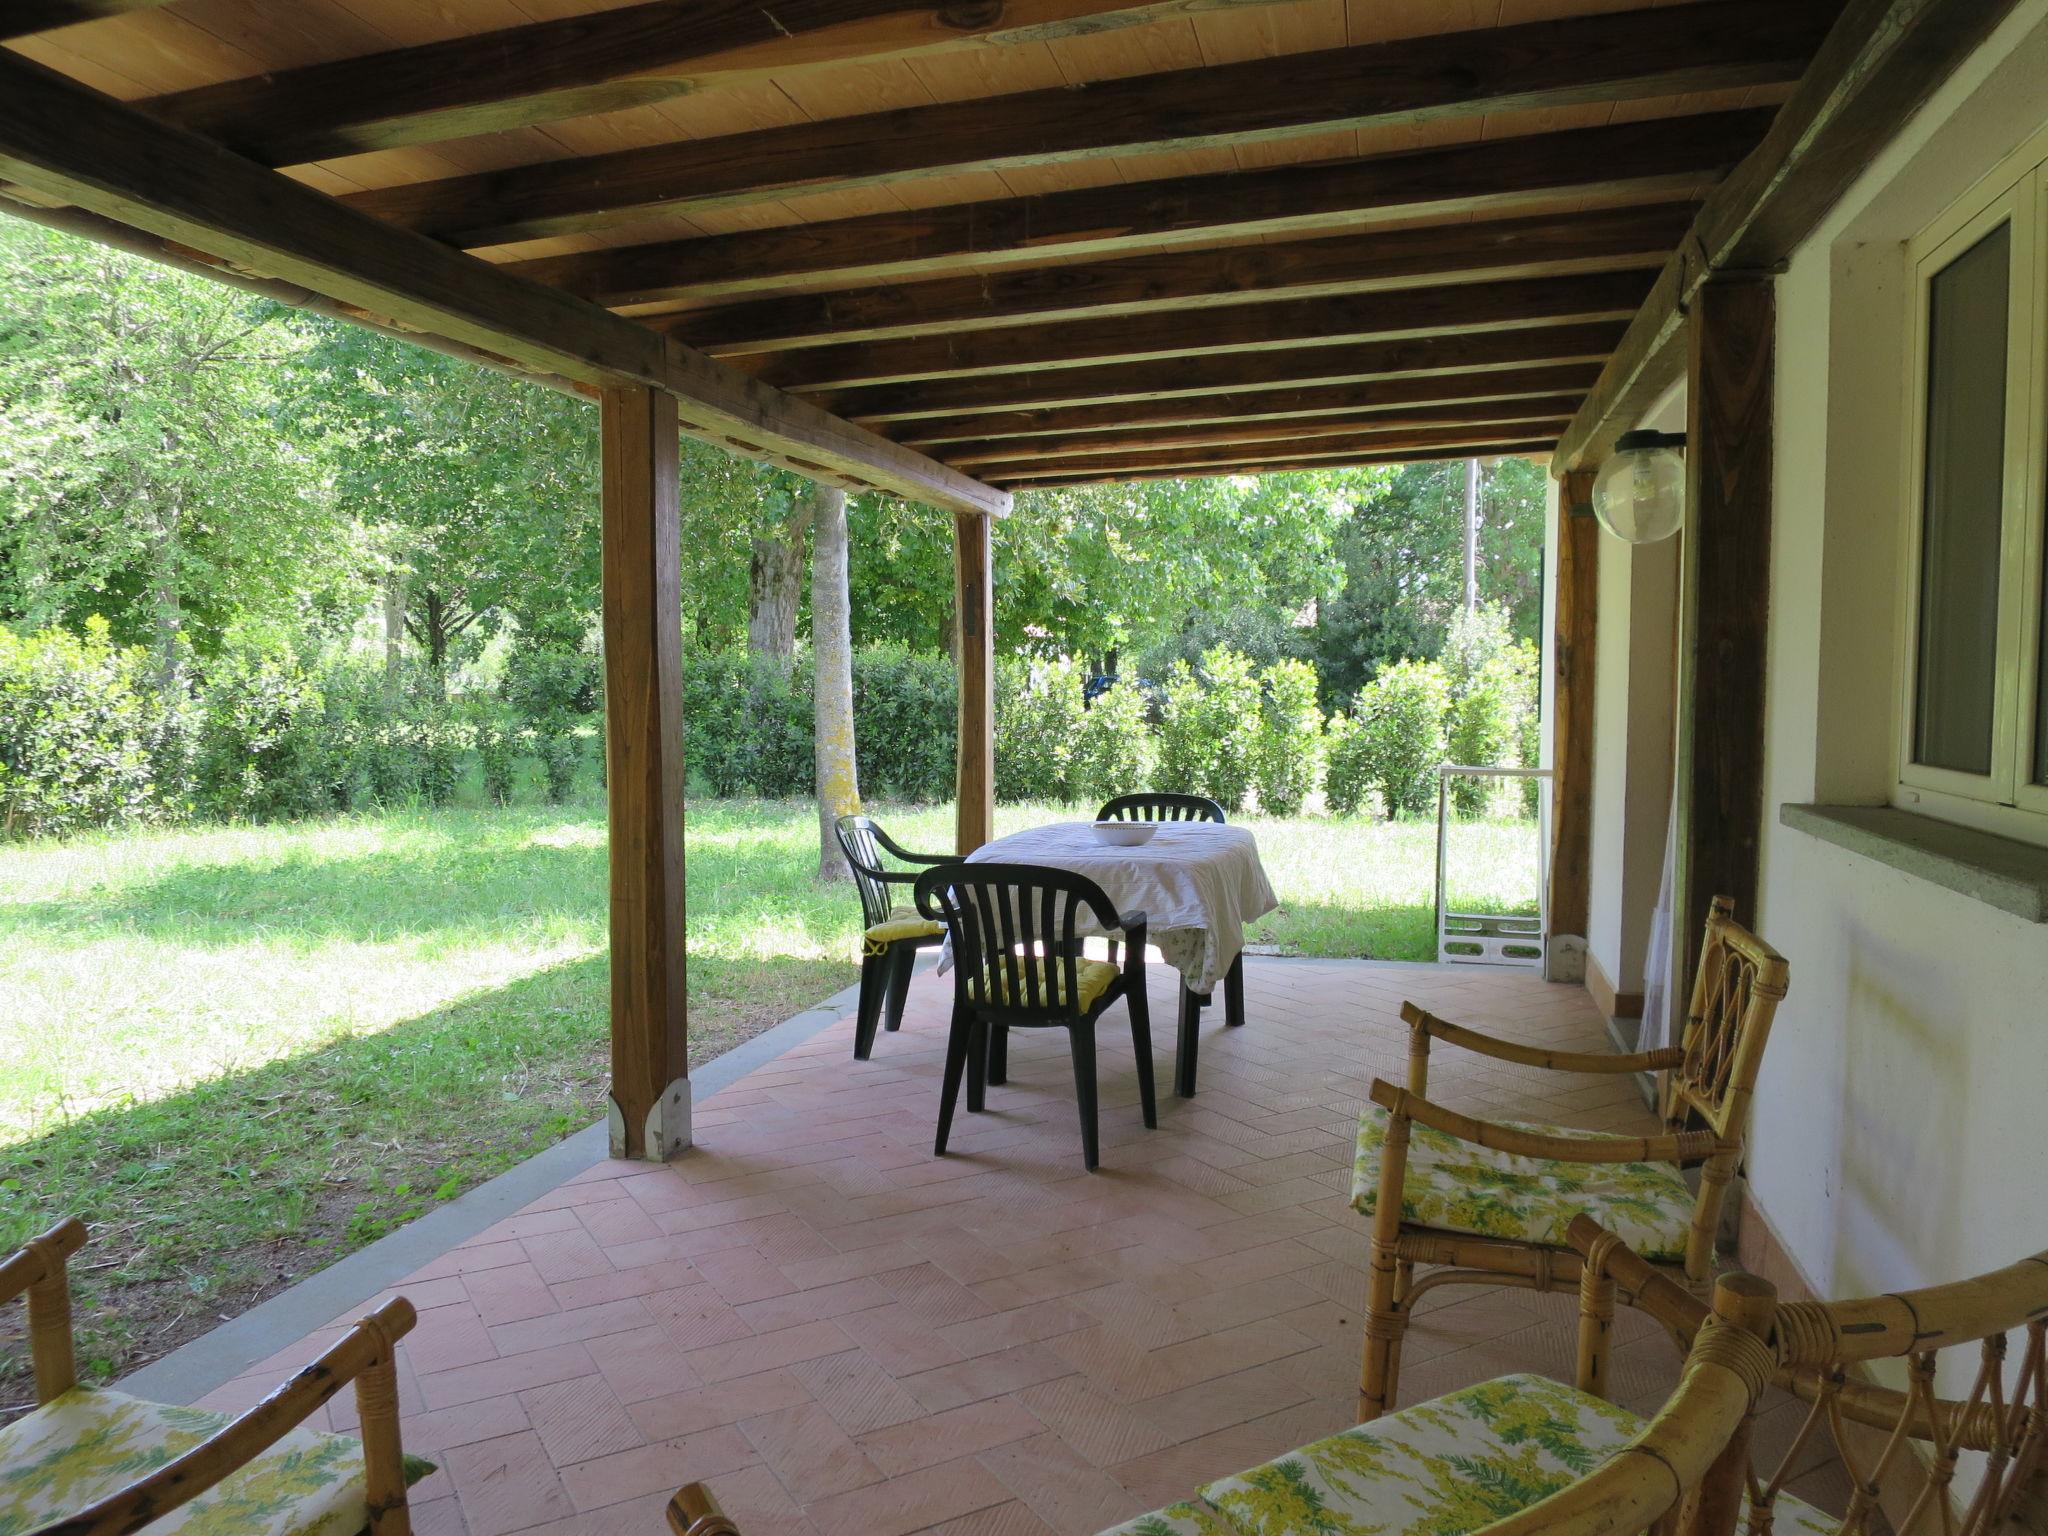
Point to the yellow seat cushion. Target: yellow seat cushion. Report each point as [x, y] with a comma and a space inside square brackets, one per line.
[1441, 1468]
[1455, 1186]
[90, 1443]
[902, 924]
[1092, 978]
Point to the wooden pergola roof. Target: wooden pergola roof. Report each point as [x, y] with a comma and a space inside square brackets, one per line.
[953, 249]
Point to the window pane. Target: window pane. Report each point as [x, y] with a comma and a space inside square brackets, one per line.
[1959, 547]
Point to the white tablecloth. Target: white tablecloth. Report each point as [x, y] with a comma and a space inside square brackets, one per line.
[1197, 883]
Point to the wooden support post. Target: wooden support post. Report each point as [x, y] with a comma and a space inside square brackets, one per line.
[973, 612]
[1571, 821]
[1724, 603]
[643, 662]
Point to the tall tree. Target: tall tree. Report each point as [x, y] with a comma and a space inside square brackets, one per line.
[142, 473]
[832, 690]
[479, 490]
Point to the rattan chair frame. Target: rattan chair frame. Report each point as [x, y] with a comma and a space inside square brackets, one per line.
[365, 1355]
[1710, 1080]
[1819, 1351]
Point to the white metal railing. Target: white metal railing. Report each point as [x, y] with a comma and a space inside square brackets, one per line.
[1490, 938]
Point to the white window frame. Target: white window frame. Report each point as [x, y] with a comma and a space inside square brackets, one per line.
[2006, 799]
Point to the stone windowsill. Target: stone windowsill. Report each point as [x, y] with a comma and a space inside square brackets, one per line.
[2011, 876]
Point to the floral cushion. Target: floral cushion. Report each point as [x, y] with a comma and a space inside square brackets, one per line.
[1458, 1187]
[90, 1443]
[1092, 978]
[902, 924]
[1441, 1468]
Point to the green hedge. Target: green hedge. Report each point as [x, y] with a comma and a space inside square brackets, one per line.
[91, 736]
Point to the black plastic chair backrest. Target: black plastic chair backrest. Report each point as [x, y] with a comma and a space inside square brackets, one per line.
[864, 858]
[1020, 924]
[1161, 806]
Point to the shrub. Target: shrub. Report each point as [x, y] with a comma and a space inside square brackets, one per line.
[1529, 744]
[557, 751]
[81, 733]
[1038, 716]
[1492, 681]
[1289, 749]
[1112, 751]
[1481, 730]
[1347, 783]
[905, 723]
[441, 743]
[1185, 751]
[261, 749]
[1401, 715]
[497, 748]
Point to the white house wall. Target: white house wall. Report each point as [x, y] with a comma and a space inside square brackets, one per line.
[1891, 1145]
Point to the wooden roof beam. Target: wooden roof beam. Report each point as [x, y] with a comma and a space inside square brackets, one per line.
[1442, 310]
[1664, 156]
[1517, 418]
[1188, 280]
[1666, 51]
[1528, 450]
[605, 61]
[1181, 377]
[1270, 458]
[1879, 63]
[63, 140]
[1399, 400]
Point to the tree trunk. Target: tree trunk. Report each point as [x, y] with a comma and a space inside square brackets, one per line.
[1471, 535]
[169, 605]
[394, 629]
[774, 588]
[832, 650]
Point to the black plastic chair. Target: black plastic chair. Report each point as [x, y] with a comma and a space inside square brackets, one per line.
[1162, 805]
[1017, 963]
[891, 935]
[1159, 805]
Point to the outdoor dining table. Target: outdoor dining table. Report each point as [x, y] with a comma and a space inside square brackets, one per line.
[1197, 882]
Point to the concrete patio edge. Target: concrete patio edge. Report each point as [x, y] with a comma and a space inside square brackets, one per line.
[217, 1357]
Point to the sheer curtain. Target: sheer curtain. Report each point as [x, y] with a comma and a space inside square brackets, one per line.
[1660, 1000]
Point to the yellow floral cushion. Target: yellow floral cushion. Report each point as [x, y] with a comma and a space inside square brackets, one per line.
[1458, 1187]
[90, 1443]
[1441, 1468]
[1091, 977]
[902, 924]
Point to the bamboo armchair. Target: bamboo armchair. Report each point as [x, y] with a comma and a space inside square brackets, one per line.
[694, 1512]
[89, 1462]
[1492, 1201]
[1820, 1351]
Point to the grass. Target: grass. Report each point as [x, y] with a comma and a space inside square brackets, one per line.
[241, 1052]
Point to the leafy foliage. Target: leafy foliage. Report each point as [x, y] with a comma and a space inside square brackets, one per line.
[1399, 720]
[1113, 748]
[1290, 747]
[1209, 734]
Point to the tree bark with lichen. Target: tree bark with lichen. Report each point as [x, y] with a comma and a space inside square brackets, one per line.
[832, 652]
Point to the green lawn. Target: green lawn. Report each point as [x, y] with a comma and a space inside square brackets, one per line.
[240, 1052]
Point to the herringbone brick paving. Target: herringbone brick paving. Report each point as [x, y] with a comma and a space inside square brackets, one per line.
[843, 1335]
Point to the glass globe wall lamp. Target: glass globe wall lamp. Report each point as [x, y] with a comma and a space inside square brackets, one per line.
[1639, 494]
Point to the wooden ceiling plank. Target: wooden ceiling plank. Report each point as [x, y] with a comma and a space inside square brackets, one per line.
[1012, 471]
[25, 18]
[1879, 63]
[605, 61]
[65, 141]
[1525, 450]
[1446, 309]
[1404, 399]
[1188, 280]
[1543, 413]
[1536, 64]
[1669, 156]
[1181, 377]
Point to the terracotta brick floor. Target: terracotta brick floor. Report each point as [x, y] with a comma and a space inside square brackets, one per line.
[842, 1334]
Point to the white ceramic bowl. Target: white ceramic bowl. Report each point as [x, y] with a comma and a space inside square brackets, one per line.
[1126, 834]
